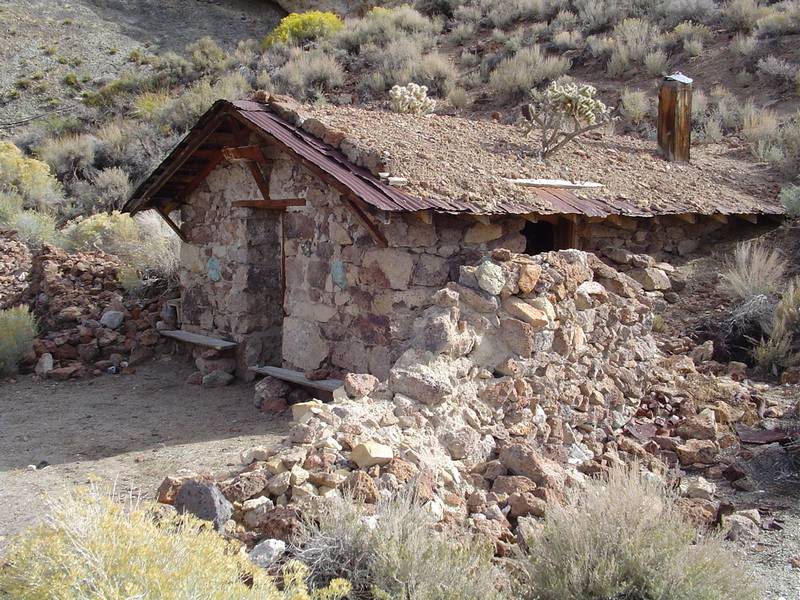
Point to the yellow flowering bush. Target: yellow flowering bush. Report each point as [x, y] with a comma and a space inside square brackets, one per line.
[29, 178]
[94, 547]
[302, 27]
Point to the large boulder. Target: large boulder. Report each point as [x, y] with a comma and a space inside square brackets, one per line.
[205, 501]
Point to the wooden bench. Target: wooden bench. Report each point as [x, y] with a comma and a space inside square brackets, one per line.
[324, 389]
[198, 340]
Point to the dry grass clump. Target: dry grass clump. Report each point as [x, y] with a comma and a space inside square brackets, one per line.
[309, 74]
[742, 15]
[396, 554]
[781, 349]
[17, 332]
[631, 42]
[34, 228]
[183, 111]
[514, 77]
[756, 270]
[790, 197]
[675, 11]
[744, 45]
[93, 547]
[635, 105]
[71, 156]
[623, 537]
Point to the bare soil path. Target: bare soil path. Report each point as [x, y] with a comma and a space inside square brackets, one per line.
[123, 430]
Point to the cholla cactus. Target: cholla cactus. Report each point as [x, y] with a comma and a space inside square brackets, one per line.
[411, 98]
[563, 112]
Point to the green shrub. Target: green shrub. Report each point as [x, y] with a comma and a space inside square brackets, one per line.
[381, 26]
[756, 270]
[741, 15]
[93, 547]
[623, 537]
[396, 554]
[148, 105]
[207, 57]
[436, 72]
[111, 187]
[297, 28]
[17, 332]
[34, 228]
[790, 197]
[514, 77]
[183, 111]
[28, 178]
[780, 18]
[635, 105]
[11, 204]
[71, 156]
[655, 63]
[458, 98]
[675, 11]
[308, 73]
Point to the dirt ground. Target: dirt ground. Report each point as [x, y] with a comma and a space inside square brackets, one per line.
[123, 430]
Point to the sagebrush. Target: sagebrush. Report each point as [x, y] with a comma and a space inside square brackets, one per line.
[17, 332]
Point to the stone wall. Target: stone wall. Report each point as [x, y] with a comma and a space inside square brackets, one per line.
[231, 278]
[350, 303]
[656, 236]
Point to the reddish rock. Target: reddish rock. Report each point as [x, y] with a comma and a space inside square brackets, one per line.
[361, 486]
[64, 373]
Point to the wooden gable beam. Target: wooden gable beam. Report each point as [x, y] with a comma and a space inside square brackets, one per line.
[348, 198]
[749, 218]
[184, 155]
[269, 204]
[250, 153]
[171, 223]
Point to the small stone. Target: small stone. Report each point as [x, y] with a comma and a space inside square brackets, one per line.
[217, 379]
[112, 319]
[267, 552]
[301, 409]
[358, 385]
[490, 277]
[651, 279]
[254, 453]
[519, 309]
[524, 503]
[697, 451]
[44, 365]
[739, 527]
[528, 277]
[205, 501]
[361, 486]
[195, 378]
[371, 453]
[702, 426]
[699, 488]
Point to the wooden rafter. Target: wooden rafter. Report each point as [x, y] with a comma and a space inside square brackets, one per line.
[261, 181]
[251, 153]
[171, 223]
[749, 218]
[183, 156]
[269, 204]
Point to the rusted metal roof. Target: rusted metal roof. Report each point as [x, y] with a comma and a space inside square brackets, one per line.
[354, 179]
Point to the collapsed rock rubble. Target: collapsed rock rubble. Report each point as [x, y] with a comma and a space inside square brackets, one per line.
[15, 265]
[87, 322]
[524, 377]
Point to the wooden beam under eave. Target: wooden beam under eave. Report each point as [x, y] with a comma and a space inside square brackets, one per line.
[252, 153]
[718, 217]
[269, 204]
[749, 218]
[426, 216]
[362, 217]
[686, 217]
[171, 223]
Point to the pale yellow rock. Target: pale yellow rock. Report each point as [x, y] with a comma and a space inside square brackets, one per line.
[301, 409]
[371, 453]
[519, 309]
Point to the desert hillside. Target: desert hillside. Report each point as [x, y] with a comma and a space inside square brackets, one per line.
[400, 300]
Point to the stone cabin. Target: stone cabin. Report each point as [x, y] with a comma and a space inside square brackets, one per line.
[312, 236]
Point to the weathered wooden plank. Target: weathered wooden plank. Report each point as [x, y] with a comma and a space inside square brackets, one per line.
[253, 153]
[324, 385]
[269, 204]
[198, 339]
[556, 183]
[165, 215]
[675, 119]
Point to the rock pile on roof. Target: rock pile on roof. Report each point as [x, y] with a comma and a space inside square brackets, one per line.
[524, 377]
[470, 161]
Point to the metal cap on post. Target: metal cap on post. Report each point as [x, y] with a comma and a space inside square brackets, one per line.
[675, 117]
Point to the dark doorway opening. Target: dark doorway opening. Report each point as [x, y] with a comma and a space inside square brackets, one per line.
[539, 237]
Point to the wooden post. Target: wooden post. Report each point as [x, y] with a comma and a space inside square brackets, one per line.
[675, 117]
